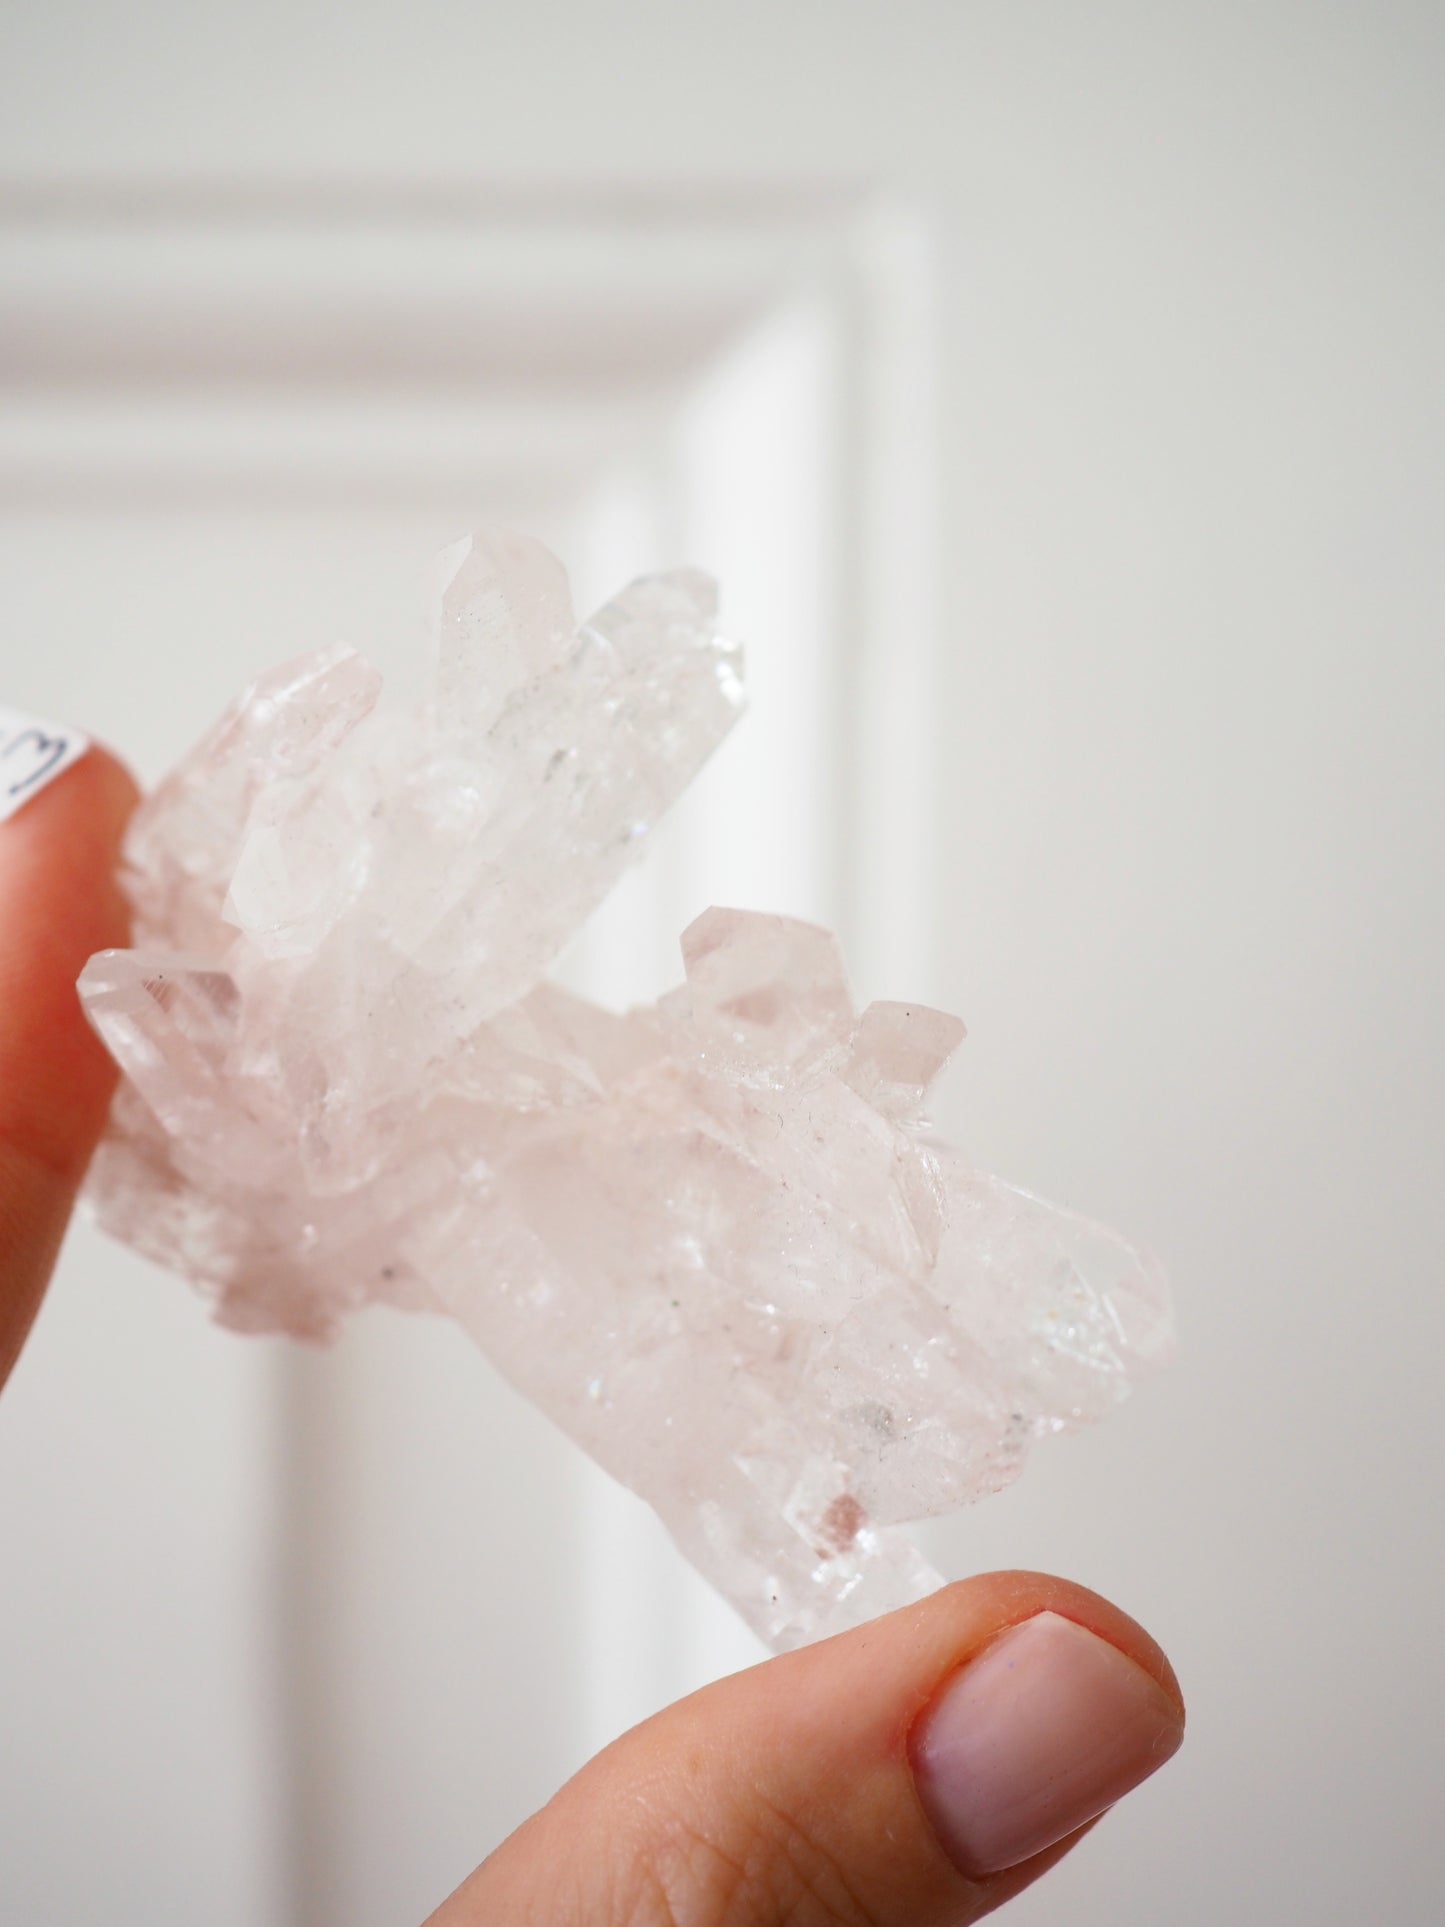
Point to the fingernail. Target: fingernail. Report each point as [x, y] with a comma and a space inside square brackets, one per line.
[33, 754]
[1039, 1732]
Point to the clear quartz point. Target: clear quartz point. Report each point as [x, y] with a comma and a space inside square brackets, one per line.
[713, 1238]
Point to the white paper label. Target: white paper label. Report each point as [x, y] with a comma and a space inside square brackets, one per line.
[33, 754]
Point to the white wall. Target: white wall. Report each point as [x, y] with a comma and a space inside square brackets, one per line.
[1186, 848]
[407, 1520]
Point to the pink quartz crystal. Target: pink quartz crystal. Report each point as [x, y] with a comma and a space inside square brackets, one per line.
[712, 1238]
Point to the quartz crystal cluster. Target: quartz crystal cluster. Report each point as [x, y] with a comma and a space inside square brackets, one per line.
[713, 1238]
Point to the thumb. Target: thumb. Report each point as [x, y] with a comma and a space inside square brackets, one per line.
[58, 903]
[915, 1772]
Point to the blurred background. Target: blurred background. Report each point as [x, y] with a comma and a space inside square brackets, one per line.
[1056, 390]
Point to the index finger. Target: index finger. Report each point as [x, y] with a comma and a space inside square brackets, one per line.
[59, 902]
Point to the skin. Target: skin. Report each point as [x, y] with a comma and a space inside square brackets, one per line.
[781, 1797]
[58, 903]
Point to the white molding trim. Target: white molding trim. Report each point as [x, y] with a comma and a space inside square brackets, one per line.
[745, 380]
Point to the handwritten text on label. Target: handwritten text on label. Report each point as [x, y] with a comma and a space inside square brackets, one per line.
[32, 754]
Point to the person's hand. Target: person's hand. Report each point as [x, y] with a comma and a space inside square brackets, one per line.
[913, 1773]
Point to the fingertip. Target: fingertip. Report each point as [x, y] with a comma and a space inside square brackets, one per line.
[922, 1768]
[59, 903]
